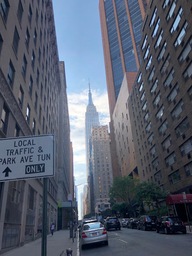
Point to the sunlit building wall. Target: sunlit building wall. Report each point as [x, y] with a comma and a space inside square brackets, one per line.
[30, 89]
[161, 100]
[102, 167]
[121, 24]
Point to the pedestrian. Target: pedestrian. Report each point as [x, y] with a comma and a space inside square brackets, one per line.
[52, 228]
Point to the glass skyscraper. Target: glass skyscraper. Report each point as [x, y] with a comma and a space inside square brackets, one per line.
[121, 23]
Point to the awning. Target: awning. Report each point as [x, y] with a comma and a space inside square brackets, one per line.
[179, 199]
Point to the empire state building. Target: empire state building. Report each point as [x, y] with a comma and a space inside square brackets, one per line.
[91, 120]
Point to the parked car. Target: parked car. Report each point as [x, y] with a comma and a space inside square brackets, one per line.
[112, 223]
[93, 232]
[147, 222]
[124, 223]
[170, 224]
[132, 223]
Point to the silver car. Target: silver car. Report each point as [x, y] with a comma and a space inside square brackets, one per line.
[94, 232]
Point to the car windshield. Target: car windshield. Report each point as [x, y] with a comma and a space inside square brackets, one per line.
[92, 226]
[174, 219]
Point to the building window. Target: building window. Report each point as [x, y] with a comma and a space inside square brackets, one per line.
[150, 139]
[182, 128]
[4, 119]
[153, 18]
[160, 113]
[16, 131]
[169, 78]
[148, 127]
[149, 63]
[162, 51]
[162, 129]
[34, 126]
[141, 87]
[144, 108]
[166, 143]
[173, 94]
[30, 14]
[27, 38]
[165, 65]
[144, 43]
[28, 112]
[174, 177]
[31, 86]
[24, 67]
[156, 28]
[171, 10]
[142, 97]
[171, 159]
[188, 169]
[186, 148]
[154, 86]
[153, 151]
[4, 9]
[147, 52]
[157, 100]
[11, 73]
[15, 40]
[166, 2]
[21, 97]
[20, 11]
[177, 110]
[181, 35]
[33, 59]
[37, 79]
[40, 113]
[159, 39]
[188, 72]
[151, 75]
[36, 101]
[185, 53]
[175, 25]
[35, 36]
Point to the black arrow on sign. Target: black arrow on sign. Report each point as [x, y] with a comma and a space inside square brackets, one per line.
[6, 171]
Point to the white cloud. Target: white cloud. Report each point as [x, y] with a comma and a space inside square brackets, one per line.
[77, 107]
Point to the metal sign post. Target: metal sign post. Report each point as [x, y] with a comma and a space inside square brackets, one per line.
[44, 224]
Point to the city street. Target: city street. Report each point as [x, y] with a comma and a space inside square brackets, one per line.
[142, 243]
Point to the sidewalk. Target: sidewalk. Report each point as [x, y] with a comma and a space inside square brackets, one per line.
[56, 246]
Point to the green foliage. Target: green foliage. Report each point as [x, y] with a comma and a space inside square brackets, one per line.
[122, 189]
[129, 196]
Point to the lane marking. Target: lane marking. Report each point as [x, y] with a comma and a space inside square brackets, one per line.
[122, 241]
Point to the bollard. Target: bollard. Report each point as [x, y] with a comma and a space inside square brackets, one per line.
[69, 252]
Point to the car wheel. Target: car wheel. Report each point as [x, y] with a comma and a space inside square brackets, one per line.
[184, 232]
[120, 228]
[82, 247]
[106, 243]
[157, 230]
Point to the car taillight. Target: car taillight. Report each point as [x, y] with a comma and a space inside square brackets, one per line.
[83, 235]
[168, 223]
[104, 231]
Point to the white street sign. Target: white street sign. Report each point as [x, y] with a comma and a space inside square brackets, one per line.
[26, 157]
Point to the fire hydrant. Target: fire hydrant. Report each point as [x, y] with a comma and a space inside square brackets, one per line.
[69, 252]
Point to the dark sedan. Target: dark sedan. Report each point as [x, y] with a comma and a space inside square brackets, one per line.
[170, 224]
[112, 223]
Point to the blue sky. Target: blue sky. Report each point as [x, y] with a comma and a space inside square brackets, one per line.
[80, 47]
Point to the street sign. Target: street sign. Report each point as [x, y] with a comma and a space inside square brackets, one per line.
[26, 157]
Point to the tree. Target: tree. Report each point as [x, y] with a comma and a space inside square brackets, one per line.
[123, 189]
[149, 194]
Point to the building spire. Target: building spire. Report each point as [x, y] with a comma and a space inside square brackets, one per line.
[90, 96]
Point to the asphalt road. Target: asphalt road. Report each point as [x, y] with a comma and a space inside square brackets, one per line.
[142, 243]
